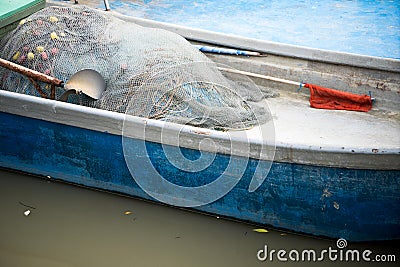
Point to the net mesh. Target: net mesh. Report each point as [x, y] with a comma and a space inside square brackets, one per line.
[149, 72]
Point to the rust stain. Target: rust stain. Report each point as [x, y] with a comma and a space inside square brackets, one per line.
[201, 132]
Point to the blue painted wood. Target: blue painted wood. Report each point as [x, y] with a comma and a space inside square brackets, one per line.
[335, 202]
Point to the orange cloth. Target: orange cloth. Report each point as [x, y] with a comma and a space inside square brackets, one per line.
[326, 98]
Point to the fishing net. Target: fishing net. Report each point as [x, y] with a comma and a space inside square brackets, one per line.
[149, 72]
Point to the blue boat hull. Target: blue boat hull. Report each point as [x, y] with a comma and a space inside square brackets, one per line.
[334, 202]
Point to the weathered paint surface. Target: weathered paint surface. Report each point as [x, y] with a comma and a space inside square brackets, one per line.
[334, 202]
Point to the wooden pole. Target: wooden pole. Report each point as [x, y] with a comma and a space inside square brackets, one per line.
[256, 75]
[31, 73]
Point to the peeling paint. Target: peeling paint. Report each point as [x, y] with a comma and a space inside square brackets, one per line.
[326, 193]
[336, 205]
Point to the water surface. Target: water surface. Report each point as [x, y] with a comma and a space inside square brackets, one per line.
[74, 226]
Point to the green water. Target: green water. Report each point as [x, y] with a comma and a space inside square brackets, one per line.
[74, 226]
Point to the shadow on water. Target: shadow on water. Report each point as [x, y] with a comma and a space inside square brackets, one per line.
[50, 223]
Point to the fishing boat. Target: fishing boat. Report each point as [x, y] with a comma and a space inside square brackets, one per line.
[330, 173]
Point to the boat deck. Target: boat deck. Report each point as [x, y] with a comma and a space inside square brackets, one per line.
[296, 122]
[343, 138]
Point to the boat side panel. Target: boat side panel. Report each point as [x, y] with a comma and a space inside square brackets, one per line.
[334, 202]
[68, 153]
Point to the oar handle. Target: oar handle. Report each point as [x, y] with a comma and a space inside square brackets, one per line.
[256, 75]
[31, 73]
